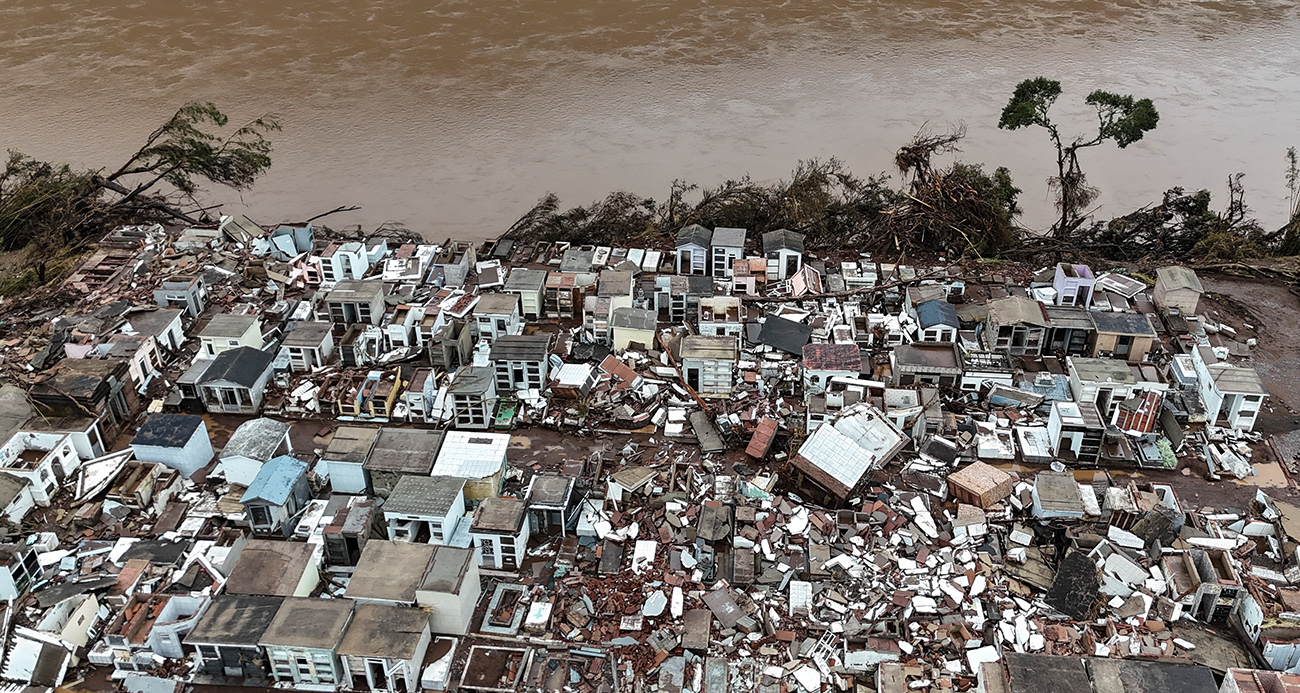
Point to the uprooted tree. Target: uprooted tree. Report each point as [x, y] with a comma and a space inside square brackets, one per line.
[957, 210]
[1120, 119]
[1182, 225]
[49, 208]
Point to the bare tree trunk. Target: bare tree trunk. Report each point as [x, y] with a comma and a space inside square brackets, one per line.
[130, 201]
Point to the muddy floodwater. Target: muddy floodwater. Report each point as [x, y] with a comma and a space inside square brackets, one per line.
[455, 116]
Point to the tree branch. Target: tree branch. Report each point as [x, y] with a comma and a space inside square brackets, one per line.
[337, 210]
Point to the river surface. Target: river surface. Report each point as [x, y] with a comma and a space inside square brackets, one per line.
[454, 117]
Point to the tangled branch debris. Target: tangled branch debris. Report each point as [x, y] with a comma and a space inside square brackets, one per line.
[51, 209]
[959, 210]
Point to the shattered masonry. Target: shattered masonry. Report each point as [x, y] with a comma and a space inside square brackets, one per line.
[286, 457]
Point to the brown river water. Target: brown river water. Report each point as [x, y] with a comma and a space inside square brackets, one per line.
[454, 117]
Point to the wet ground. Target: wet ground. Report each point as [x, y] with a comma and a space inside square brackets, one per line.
[1273, 315]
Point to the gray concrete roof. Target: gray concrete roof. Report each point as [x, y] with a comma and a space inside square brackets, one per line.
[782, 239]
[1072, 317]
[1137, 324]
[241, 366]
[550, 489]
[351, 444]
[390, 570]
[1241, 380]
[390, 632]
[309, 622]
[496, 304]
[472, 379]
[423, 495]
[308, 333]
[1013, 310]
[1058, 491]
[500, 515]
[1101, 370]
[1176, 277]
[153, 322]
[167, 430]
[703, 347]
[448, 569]
[353, 290]
[577, 260]
[928, 355]
[521, 347]
[11, 486]
[270, 568]
[634, 318]
[406, 450]
[694, 235]
[235, 619]
[524, 279]
[256, 439]
[729, 237]
[227, 326]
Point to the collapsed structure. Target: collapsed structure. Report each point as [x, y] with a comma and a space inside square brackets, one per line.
[773, 471]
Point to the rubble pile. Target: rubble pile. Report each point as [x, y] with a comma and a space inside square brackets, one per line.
[281, 457]
[915, 578]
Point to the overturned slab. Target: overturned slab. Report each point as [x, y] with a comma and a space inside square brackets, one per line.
[708, 436]
[981, 485]
[1075, 591]
[724, 606]
[697, 628]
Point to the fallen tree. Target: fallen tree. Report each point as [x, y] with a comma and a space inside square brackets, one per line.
[958, 210]
[51, 209]
[1182, 226]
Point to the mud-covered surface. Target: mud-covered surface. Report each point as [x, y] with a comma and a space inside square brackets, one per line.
[1272, 313]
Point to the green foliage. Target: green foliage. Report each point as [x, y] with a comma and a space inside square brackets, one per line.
[958, 210]
[22, 281]
[1222, 244]
[1029, 104]
[966, 211]
[1182, 225]
[821, 199]
[38, 271]
[1290, 243]
[1123, 119]
[42, 200]
[49, 208]
[1292, 182]
[1167, 457]
[1120, 119]
[1290, 233]
[185, 151]
[998, 190]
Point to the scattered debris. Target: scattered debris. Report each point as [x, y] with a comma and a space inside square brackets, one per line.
[668, 470]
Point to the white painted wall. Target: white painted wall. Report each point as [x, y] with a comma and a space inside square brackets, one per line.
[196, 454]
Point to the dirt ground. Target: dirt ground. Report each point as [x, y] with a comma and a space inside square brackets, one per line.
[1273, 314]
